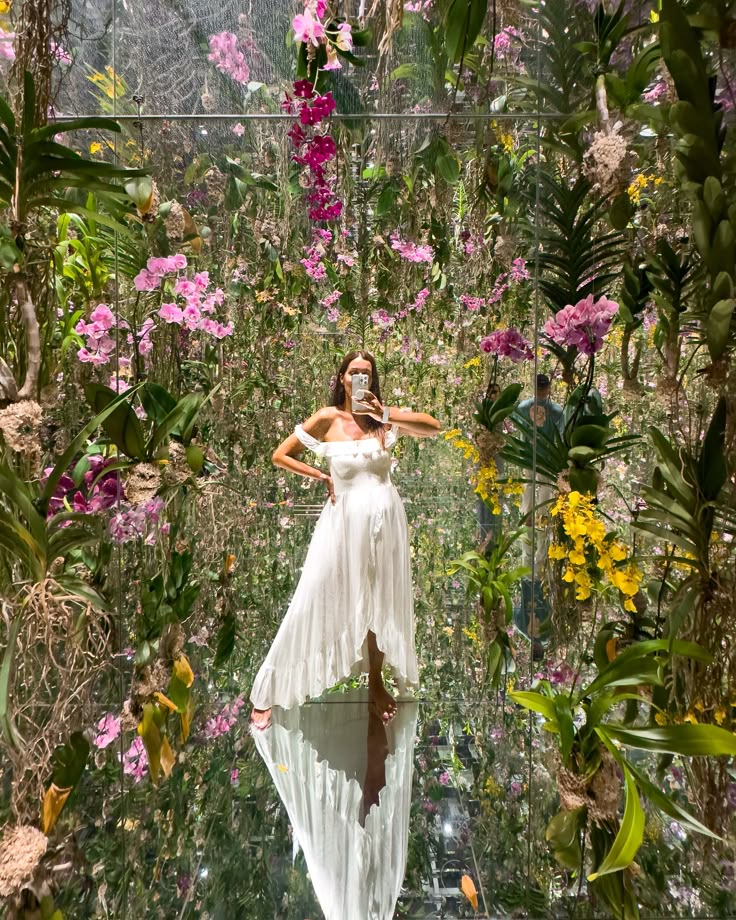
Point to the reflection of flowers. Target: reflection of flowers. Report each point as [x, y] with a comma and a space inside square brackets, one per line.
[224, 720]
[316, 151]
[227, 56]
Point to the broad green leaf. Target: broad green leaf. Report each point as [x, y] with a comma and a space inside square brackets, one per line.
[7, 725]
[629, 837]
[69, 760]
[122, 426]
[686, 739]
[530, 699]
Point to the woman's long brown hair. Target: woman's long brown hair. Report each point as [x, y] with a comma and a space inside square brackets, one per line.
[338, 391]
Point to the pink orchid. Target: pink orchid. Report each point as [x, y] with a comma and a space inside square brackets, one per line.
[108, 729]
[507, 343]
[191, 316]
[583, 325]
[238, 129]
[146, 280]
[344, 39]
[333, 61]
[170, 313]
[103, 315]
[308, 29]
[185, 287]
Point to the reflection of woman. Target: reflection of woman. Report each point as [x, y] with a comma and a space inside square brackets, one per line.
[344, 777]
[352, 610]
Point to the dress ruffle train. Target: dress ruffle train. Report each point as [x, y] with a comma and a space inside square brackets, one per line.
[356, 578]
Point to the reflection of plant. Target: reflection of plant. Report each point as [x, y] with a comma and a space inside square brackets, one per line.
[165, 599]
[698, 123]
[488, 581]
[168, 417]
[589, 754]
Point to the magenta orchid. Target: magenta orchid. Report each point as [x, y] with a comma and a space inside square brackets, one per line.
[507, 343]
[583, 325]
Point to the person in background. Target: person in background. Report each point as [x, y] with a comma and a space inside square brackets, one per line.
[548, 416]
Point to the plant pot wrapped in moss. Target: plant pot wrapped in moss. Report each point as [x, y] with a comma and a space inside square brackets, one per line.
[599, 793]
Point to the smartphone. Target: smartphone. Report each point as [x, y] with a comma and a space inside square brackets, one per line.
[360, 386]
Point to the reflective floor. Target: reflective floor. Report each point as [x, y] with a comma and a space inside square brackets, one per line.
[329, 813]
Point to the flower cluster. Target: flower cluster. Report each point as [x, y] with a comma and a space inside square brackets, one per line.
[224, 720]
[328, 302]
[312, 262]
[485, 476]
[227, 56]
[516, 275]
[310, 31]
[507, 343]
[314, 151]
[639, 184]
[197, 304]
[656, 92]
[98, 490]
[591, 545]
[582, 326]
[503, 43]
[140, 522]
[135, 760]
[99, 344]
[386, 322]
[108, 730]
[411, 252]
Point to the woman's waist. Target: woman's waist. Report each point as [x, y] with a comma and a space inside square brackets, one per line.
[361, 482]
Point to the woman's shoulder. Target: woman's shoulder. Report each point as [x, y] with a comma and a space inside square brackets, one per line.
[319, 423]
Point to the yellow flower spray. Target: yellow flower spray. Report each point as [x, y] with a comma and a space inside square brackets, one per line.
[589, 540]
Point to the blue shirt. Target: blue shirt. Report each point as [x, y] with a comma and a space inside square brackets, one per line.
[553, 415]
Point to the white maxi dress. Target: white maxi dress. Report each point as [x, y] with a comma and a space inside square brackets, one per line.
[356, 578]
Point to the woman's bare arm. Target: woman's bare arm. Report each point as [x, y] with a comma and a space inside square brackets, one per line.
[286, 454]
[415, 424]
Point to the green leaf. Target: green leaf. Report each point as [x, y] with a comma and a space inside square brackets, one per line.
[669, 806]
[157, 401]
[712, 468]
[7, 725]
[629, 837]
[74, 446]
[563, 835]
[226, 635]
[386, 201]
[718, 327]
[69, 761]
[122, 426]
[449, 168]
[530, 699]
[687, 739]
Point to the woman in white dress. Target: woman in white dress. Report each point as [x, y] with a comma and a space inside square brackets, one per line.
[352, 610]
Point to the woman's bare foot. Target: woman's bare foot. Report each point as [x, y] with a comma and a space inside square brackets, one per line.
[260, 718]
[384, 705]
